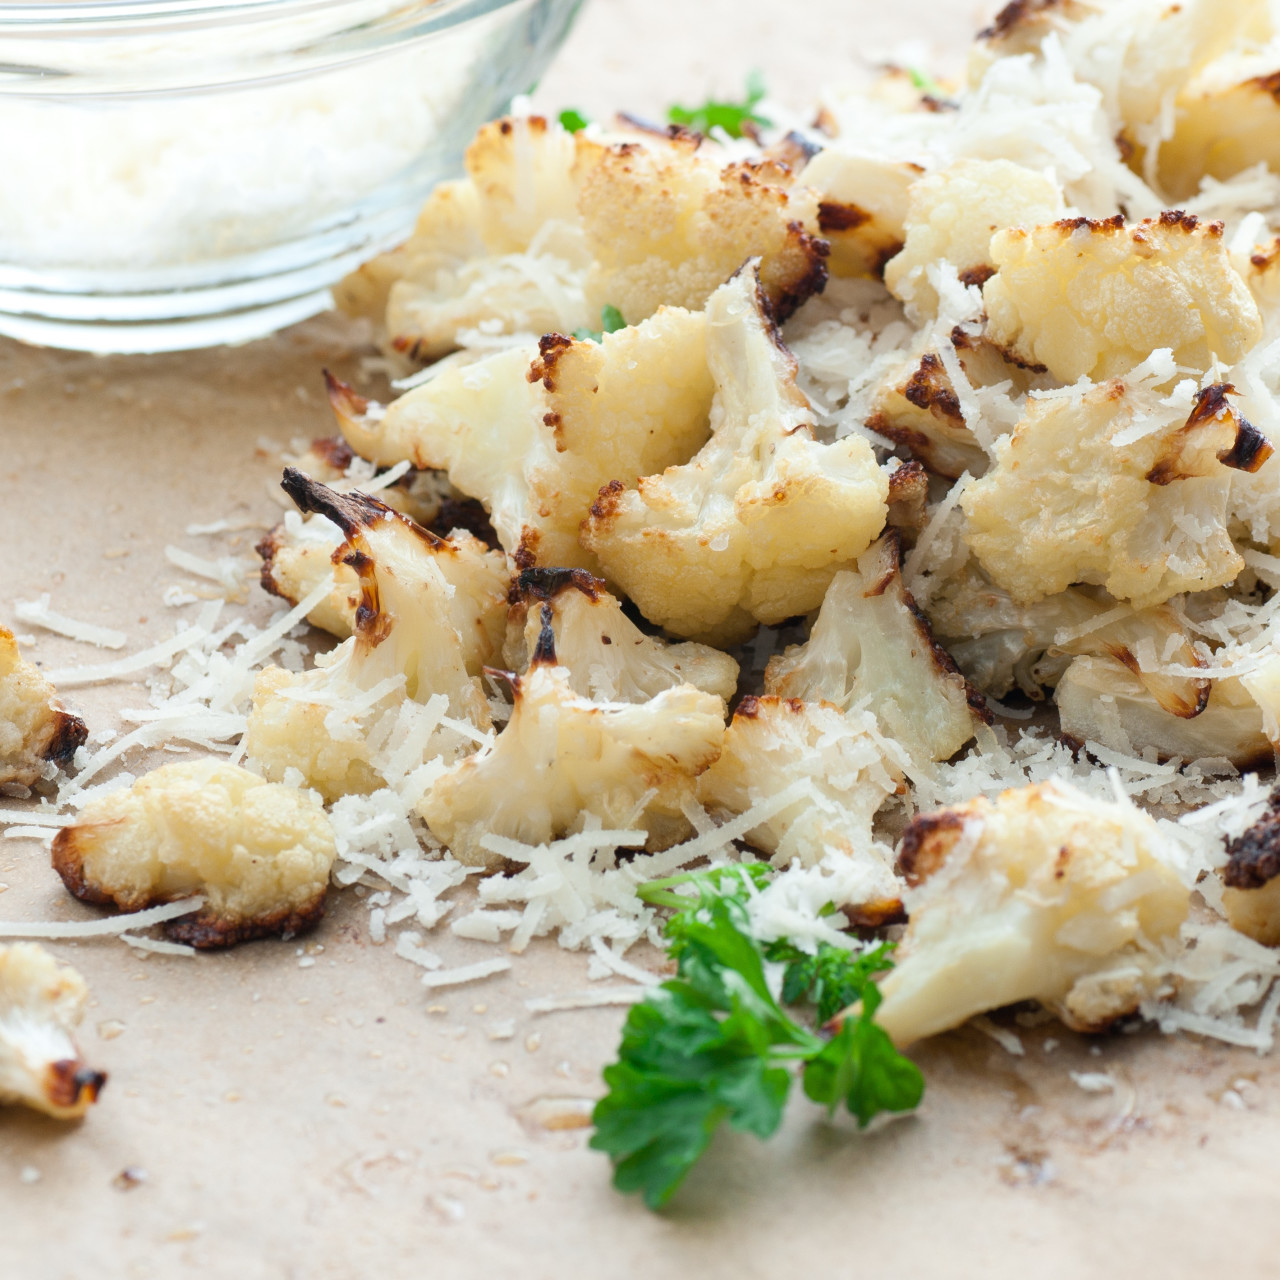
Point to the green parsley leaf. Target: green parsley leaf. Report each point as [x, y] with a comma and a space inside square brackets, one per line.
[923, 81]
[610, 322]
[573, 120]
[732, 117]
[714, 1046]
[832, 979]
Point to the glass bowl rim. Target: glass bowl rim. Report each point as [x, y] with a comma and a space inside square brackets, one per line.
[131, 14]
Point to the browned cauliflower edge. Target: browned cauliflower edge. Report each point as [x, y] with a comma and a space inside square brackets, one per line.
[40, 1065]
[34, 728]
[259, 853]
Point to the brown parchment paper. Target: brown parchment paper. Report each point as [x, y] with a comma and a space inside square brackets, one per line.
[334, 1120]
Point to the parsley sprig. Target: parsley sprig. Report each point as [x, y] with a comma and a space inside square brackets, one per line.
[713, 1045]
[610, 322]
[733, 117]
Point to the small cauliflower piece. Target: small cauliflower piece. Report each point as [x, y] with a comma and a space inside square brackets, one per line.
[953, 214]
[607, 656]
[35, 731]
[862, 207]
[297, 556]
[754, 527]
[1085, 491]
[1087, 298]
[871, 647]
[258, 853]
[41, 1000]
[563, 759]
[1100, 699]
[1224, 126]
[534, 432]
[431, 613]
[848, 769]
[998, 643]
[1139, 53]
[502, 248]
[1044, 895]
[666, 226]
[1252, 875]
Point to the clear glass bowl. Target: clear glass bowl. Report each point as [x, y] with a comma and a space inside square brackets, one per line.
[179, 173]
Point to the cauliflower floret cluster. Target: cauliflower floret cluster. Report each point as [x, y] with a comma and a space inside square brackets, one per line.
[870, 647]
[607, 656]
[758, 522]
[564, 759]
[1042, 895]
[549, 227]
[431, 616]
[1103, 486]
[534, 432]
[41, 1001]
[1094, 299]
[845, 770]
[35, 731]
[258, 853]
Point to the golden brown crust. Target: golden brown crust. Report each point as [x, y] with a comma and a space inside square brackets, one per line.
[69, 1084]
[543, 585]
[67, 733]
[1253, 858]
[926, 844]
[1247, 452]
[204, 929]
[551, 347]
[930, 389]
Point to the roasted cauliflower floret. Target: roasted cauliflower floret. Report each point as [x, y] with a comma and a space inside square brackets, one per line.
[1224, 126]
[846, 770]
[755, 526]
[1085, 491]
[1139, 53]
[1042, 895]
[998, 643]
[563, 759]
[871, 647]
[607, 656]
[666, 226]
[953, 214]
[1094, 299]
[502, 247]
[40, 1066]
[259, 854]
[35, 731]
[1100, 699]
[297, 556]
[534, 432]
[1252, 875]
[431, 616]
[862, 207]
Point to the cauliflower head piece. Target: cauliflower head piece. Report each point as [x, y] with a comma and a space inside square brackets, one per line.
[35, 731]
[871, 648]
[862, 208]
[258, 853]
[502, 247]
[1108, 486]
[609, 659]
[534, 432]
[1094, 299]
[431, 617]
[564, 760]
[844, 770]
[754, 527]
[1044, 895]
[41, 1001]
[952, 216]
[1101, 699]
[1252, 876]
[666, 225]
